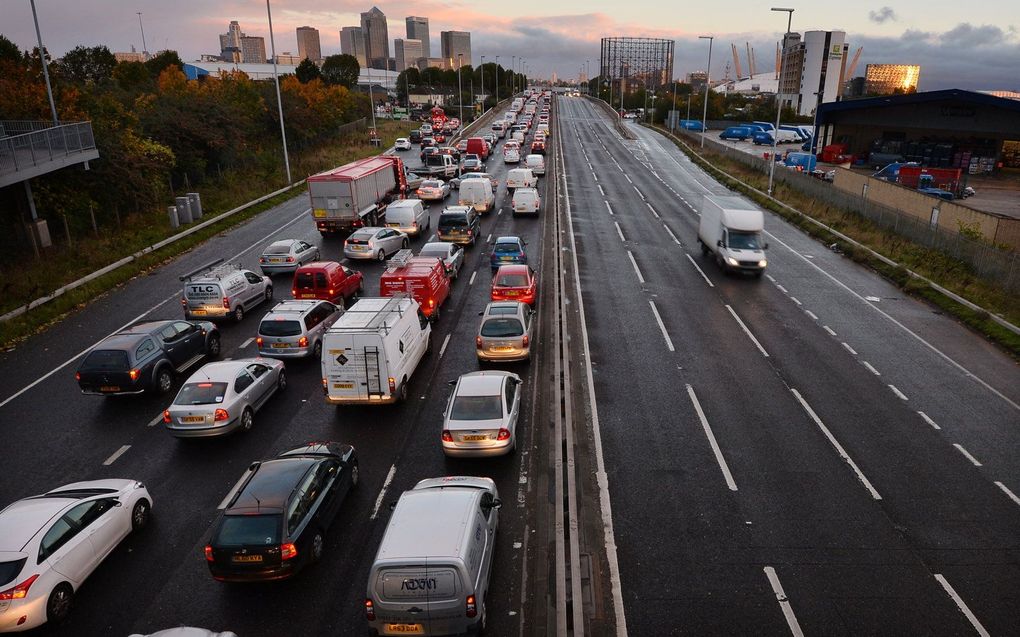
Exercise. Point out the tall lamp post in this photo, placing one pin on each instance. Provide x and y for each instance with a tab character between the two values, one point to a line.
814	124
46	73
460	90
708	82
672	123
513	74
779	102
279	100
497	79
483	84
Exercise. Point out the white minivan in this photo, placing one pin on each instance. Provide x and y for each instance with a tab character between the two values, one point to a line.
536	163
477	193
526	200
431	572
223	290
520	178
408	216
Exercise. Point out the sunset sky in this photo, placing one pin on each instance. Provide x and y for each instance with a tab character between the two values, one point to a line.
962	45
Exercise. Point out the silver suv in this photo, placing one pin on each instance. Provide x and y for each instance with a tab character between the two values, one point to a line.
294	329
505	332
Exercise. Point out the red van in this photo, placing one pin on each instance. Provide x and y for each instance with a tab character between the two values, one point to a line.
478	146
326	280
424	278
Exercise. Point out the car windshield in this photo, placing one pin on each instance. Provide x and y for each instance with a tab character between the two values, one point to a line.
304	281
744	241
434	251
278	248
477	408
247	530
105	359
453	220
280	328
502	327
10	570
507	248
512	281
201	394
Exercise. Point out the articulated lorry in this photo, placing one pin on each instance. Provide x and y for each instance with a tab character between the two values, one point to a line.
731	229
356	194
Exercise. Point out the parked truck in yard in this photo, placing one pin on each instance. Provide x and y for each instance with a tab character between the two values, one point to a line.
355	195
731	229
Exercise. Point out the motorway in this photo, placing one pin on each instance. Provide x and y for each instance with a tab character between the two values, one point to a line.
808	453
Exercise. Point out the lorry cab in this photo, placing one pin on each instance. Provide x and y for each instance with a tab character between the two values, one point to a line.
423	278
326	280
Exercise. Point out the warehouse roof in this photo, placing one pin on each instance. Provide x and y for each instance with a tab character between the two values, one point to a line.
909	99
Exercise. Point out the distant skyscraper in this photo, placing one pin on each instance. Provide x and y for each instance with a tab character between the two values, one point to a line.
377	39
455	43
253	50
308	45
408	53
884	79
352	42
418	29
230	43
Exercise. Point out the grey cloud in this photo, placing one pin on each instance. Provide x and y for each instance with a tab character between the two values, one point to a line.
968	35
883	15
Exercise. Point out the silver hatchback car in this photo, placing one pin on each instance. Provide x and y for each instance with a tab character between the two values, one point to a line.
481	417
505	332
294	328
374	243
287	255
223	397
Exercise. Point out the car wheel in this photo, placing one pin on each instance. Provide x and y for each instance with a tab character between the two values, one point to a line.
212	348
247	419
281	382
403	389
381	256
269	293
428	347
58	606
316	256
164	380
403	244
317	350
140	514
239	314
318	547
355	477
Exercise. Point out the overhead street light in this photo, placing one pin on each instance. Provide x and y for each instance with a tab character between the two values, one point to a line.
708	82
483	85
46	73
279	100
497	79
779	102
460	89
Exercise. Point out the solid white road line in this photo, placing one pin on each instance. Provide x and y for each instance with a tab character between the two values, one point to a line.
811	314
744	327
850	349
835	443
155	421
1005	489
961	605
116	454
871	368
898	393
784	602
829	330
662	326
634	263
701	272
609	208
382	492
471	281
619	232
967	454
247	343
670	233
928	420
711	440
446	341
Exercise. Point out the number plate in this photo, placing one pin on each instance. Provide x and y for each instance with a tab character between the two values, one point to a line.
198	312
193	419
512	293
281	345
271	260
343	385
503	348
319	213
405	629
246	558
474	437
109	388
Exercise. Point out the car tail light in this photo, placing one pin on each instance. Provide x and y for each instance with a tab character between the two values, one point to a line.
258	341
331	291
525	340
470	607
18	592
262	259
470	232
369	610
290	259
220	414
504	434
134	374
77	375
293	292
302	342
393	384
288	551
184	302
209	554
478	342
447	436
432	303
226	302
166	416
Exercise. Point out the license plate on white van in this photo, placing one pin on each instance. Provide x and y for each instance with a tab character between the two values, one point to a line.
343	385
405	629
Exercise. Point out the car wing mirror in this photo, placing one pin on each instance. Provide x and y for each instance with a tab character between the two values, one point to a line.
719	243
451	382
481	313
393	504
497	503
766	246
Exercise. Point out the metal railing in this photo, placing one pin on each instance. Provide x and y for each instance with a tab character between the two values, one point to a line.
41	142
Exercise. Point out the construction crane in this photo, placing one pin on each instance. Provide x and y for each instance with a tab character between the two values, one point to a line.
853	63
736	62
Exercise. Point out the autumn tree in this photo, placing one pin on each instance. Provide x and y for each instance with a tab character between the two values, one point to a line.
87	64
307	71
342	70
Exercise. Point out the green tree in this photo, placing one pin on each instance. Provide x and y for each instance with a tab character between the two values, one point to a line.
158	63
342	70
131	76
9	51
85	65
307	71
432	76
409	77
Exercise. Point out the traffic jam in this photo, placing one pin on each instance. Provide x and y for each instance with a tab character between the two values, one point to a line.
365	306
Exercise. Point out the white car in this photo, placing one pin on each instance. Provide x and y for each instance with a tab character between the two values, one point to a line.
287	255
511	154
451	254
374	243
402	143
481	418
433	190
50	544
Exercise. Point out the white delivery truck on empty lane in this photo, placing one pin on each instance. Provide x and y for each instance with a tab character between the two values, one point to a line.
370	353
731	229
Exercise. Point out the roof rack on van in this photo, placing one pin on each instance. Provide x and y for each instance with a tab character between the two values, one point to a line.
400	258
213	270
393	304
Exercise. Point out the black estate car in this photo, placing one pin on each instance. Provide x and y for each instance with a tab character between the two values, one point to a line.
275	522
146	356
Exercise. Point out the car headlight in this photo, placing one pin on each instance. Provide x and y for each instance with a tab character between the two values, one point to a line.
731	261
762	263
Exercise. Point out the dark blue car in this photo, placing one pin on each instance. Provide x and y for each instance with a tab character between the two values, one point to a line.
762	137
508	250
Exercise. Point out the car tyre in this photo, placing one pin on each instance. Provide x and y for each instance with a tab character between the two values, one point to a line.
164	380
212	347
317	350
403	389
281	381
269	293
381	256
247	419
355	475
140	515
403	244
58	605
318	547
239	314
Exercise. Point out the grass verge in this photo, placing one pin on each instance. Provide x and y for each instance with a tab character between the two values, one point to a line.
945	271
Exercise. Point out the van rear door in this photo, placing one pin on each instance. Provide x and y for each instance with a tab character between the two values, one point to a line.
355	368
426	594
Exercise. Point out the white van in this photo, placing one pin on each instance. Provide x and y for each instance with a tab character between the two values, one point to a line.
432	570
511	153
499	128
407	215
521	178
536	163
219	290
370	353
477	193
526	200
518	136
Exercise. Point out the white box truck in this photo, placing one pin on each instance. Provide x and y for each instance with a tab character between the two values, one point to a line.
731	229
370	353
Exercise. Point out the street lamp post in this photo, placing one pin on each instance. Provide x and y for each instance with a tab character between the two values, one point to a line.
46	73
483	84
371	99
279	100
708	82
497	79
513	74
460	89
814	123
672	123
779	102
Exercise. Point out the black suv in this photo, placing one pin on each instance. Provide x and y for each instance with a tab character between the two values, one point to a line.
146	356
276	521
415	136
459	224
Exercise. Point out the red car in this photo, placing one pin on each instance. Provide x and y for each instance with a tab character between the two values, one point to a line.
326	280
515	283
